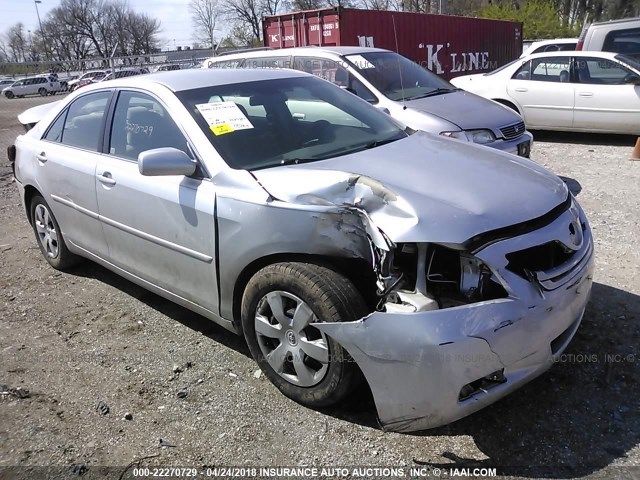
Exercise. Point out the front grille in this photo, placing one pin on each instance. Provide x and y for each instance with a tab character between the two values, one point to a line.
550	265
513	131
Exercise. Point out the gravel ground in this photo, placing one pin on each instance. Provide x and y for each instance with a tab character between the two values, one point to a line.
74	339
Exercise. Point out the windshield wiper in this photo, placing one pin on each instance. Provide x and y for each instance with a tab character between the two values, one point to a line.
437	91
378	143
296	161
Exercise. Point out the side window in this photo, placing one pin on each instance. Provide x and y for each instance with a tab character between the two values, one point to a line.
54	134
267	62
83	125
625	41
334	72
551	69
600	71
226	64
141	123
524	72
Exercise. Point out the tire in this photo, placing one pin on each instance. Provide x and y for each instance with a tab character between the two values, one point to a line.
43	92
317	293
49	236
9	95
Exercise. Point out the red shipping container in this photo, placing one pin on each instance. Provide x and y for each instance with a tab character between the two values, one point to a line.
447	45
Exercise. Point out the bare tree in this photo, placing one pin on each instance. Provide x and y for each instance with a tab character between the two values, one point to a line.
16	44
247	13
205	14
78	29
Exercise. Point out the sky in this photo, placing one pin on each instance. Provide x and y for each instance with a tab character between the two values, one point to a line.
174	15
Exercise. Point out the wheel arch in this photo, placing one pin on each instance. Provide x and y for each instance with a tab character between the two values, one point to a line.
29	192
508	103
357	270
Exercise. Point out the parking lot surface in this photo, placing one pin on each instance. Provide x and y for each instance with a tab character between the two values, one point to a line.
76	339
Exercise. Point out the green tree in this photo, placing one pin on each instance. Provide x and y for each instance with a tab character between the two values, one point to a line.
540	18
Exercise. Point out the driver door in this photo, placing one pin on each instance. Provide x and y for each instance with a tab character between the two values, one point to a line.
159	228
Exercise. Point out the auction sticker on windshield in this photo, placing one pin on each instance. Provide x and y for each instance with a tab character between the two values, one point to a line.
224	117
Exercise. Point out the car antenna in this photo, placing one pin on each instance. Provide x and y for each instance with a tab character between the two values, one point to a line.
395	35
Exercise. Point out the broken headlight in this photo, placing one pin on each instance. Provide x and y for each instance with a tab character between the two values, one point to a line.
427	277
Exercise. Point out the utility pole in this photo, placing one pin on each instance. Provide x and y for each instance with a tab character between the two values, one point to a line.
44	39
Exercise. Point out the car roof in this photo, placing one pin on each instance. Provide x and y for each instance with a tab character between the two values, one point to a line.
574	53
552	41
297	51
617	21
178	80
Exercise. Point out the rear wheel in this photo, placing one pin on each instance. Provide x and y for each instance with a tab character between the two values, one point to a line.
49	236
43	92
279	306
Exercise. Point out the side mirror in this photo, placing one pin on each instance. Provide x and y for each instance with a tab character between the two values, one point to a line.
165	161
633	80
384	110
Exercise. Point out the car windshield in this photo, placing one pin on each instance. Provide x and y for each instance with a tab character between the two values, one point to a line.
284	121
629	61
397	77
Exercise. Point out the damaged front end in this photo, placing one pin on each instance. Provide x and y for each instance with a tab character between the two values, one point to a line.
455	331
475	297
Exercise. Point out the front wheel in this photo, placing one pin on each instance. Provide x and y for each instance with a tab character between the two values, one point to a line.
9	95
43	92
49	236
279	306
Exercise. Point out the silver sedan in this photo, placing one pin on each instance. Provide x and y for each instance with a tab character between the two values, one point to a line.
342	245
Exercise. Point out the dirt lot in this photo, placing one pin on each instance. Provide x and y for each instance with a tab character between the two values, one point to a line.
78	338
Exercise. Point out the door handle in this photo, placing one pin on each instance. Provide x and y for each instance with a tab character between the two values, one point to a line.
42	157
586	94
106	178
521	89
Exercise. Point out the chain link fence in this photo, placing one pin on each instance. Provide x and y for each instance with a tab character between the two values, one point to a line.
69	69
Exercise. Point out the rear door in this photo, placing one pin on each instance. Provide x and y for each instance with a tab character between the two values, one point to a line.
606	100
67	157
159	228
544	93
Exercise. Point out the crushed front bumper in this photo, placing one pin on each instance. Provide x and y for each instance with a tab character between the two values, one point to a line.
418	364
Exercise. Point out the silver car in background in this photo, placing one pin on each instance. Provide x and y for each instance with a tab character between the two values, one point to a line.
405	90
341	245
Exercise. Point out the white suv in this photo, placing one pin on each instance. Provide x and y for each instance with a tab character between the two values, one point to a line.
619	36
40	85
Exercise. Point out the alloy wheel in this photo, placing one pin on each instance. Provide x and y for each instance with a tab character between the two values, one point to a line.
296	351
47	234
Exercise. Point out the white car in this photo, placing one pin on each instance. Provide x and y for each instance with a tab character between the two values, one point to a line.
552	45
40	85
572	91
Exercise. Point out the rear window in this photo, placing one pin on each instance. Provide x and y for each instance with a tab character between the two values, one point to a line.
625	41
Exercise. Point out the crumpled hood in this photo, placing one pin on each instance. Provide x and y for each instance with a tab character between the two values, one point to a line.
467	110
424	188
